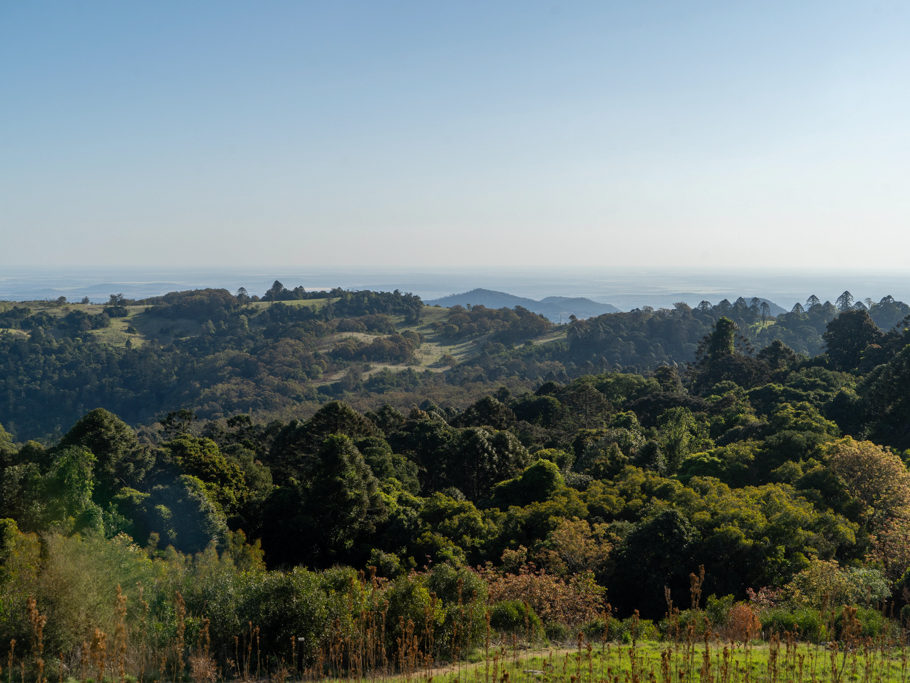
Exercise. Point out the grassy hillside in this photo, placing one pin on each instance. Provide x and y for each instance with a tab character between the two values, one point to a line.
205	352
217	354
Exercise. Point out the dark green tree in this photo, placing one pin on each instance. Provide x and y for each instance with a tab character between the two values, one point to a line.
120	460
295	446
668	378
425	439
844	302
847	336
324	521
537	483
276	292
177	422
655	555
478	458
343	499
183	514
717	360
720	342
487	412
69	484
680	434
22	495
200	457
8	449
887	401
778	356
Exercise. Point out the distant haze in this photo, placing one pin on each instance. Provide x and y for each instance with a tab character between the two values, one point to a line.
706	134
623	287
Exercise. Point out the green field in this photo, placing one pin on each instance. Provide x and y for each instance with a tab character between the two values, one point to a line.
315	304
715	661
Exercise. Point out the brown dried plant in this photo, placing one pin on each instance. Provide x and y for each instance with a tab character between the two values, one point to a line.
38	622
180	642
98	653
571	601
121	635
11	658
203	668
742	624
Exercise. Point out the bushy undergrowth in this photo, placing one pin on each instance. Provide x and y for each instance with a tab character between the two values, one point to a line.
233	610
90	604
516	617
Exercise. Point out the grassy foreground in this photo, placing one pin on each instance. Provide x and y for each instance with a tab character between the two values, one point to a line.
773	661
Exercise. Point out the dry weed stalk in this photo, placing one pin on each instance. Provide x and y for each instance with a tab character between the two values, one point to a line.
11	658
38	622
203	668
98	651
120	635
696	583
179	643
142	631
83	660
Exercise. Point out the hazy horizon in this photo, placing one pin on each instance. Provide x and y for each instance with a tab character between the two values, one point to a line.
623	287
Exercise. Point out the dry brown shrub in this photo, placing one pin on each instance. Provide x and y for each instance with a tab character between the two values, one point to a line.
573	600
202	668
742	624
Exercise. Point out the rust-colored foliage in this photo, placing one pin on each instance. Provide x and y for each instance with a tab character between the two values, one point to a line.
742	624
573	600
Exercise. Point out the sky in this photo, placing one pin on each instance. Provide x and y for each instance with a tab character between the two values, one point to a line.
471	133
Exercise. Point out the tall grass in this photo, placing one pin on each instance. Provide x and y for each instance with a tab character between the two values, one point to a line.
362	645
75	609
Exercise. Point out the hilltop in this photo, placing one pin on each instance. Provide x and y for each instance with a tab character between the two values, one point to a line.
555	308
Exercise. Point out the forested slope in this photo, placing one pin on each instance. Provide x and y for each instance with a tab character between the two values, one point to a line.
218	354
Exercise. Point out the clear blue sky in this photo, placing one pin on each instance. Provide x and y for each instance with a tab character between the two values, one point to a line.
460	133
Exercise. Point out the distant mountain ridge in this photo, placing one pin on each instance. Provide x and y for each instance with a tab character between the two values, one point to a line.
554	308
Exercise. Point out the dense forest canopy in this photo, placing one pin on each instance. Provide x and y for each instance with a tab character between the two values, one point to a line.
605	460
218	353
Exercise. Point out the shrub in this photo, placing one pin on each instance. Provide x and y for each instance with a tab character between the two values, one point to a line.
806	622
411	607
598	629
287	605
713	618
825	582
387	565
622	630
633	628
742	623
463	596
717	609
872	623
571	601
557	633
76	583
515	616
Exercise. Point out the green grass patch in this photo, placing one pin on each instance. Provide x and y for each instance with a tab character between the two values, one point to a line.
665	661
557	335
119	333
11	330
315	304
